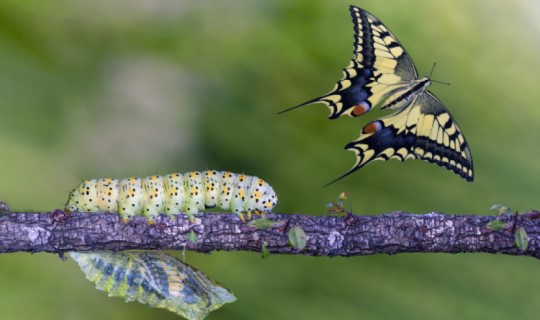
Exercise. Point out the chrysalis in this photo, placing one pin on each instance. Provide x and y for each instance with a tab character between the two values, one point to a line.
154	279
173	193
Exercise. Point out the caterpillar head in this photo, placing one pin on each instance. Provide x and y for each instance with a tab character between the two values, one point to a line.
72	204
83	197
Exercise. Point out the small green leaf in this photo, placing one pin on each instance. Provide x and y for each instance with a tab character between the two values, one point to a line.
501	209
496	225
522	239
297	238
262	223
265	253
192	237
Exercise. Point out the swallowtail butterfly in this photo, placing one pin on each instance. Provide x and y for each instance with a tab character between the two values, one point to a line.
383	75
173	193
154	279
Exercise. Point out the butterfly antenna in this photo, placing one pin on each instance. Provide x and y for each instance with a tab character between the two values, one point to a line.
432	69
436	81
441	82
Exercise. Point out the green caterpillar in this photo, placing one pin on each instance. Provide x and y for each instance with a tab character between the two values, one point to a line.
172	194
154	279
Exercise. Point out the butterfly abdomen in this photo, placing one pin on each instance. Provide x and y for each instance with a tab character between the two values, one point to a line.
172	194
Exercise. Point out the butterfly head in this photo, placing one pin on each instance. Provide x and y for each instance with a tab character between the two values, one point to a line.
425	82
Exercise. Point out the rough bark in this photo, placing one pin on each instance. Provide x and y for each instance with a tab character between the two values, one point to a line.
345	236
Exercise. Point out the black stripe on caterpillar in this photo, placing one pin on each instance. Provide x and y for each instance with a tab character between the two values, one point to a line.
173	193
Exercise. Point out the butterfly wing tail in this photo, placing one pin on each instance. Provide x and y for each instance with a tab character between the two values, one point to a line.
316	100
342	176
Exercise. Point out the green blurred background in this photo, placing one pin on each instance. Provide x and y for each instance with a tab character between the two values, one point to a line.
120	88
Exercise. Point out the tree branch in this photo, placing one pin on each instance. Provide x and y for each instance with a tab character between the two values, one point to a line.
393	233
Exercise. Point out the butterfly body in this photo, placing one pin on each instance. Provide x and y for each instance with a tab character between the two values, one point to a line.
404	94
382	74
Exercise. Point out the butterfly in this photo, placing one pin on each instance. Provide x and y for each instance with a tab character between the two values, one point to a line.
382	74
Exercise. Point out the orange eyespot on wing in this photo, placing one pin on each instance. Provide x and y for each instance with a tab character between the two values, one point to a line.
360	109
372	127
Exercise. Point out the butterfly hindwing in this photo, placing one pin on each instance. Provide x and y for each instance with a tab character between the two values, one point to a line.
440	140
424	130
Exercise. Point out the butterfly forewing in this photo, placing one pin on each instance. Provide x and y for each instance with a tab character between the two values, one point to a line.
379	65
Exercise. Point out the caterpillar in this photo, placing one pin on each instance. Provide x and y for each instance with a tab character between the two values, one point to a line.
154	279
173	193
